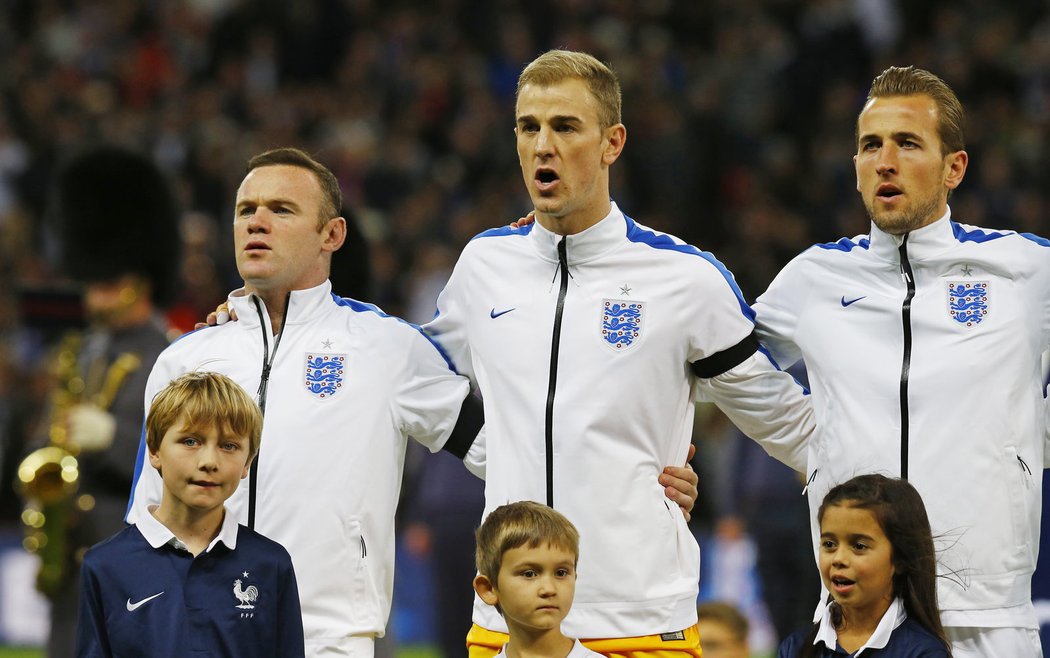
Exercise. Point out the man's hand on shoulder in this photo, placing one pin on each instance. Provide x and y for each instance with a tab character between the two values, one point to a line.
221	315
524	221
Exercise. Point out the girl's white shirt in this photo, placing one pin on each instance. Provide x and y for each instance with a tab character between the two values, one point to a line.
891	619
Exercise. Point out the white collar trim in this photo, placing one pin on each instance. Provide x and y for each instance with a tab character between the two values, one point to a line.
891	619
158	534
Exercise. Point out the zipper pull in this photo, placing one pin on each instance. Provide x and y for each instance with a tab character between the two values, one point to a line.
809	481
1024	465
903	251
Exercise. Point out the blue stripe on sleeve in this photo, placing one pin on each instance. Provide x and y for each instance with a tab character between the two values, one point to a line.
982	235
845	244
140	460
362	307
504	231
662	241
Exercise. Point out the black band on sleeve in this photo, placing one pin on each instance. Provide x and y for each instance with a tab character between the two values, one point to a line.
471	418
727	359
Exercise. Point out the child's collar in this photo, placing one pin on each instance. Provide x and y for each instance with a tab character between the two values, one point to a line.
891	619
157	534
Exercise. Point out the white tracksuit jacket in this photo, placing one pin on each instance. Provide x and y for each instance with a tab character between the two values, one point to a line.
941	377
348	385
588	428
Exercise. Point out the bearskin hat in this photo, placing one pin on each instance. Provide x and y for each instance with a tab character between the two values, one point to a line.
116	214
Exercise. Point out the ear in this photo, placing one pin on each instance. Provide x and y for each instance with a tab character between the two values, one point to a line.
154	459
247	465
486	590
955	169
334	233
615	139
857	172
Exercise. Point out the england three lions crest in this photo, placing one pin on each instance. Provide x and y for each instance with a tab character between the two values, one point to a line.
324	374
621	323
968	302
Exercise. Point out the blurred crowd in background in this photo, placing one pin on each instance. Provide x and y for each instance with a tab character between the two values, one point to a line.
740	118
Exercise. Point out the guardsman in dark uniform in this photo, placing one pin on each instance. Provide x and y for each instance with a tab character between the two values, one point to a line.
118	228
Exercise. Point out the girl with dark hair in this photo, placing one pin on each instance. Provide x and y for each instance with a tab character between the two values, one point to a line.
877	561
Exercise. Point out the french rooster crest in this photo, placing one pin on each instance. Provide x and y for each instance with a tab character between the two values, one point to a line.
246	596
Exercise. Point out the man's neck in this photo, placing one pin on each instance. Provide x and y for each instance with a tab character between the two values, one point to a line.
275	301
573	223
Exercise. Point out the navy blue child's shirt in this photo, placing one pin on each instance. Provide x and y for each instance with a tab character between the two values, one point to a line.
143	594
896	636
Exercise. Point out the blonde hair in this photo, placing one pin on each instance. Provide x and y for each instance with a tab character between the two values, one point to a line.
555	66
912	81
520	524
204	400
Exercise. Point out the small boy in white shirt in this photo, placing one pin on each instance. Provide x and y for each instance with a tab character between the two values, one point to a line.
526	559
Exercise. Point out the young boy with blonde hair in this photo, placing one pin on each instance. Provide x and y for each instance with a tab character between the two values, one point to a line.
185	578
526	559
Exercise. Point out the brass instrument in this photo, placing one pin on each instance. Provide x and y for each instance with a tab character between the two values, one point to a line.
49	477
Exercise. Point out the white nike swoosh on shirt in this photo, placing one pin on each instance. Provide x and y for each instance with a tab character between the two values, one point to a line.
135	606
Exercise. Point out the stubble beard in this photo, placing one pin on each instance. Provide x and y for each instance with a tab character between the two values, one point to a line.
899	222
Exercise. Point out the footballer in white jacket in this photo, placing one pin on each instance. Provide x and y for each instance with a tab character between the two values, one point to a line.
586	350
923	344
923	354
347	386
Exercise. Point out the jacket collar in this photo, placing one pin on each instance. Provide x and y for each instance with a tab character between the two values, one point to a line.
157	534
303	305
891	619
585	245
928	241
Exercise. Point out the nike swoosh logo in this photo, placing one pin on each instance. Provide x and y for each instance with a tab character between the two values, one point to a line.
852	301
132	607
493	314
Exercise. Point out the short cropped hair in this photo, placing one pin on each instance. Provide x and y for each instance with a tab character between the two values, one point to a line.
520	524
727	615
555	66
204	400
911	81
332	201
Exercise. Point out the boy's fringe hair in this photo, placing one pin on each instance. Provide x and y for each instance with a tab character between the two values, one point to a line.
204	400
520	524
